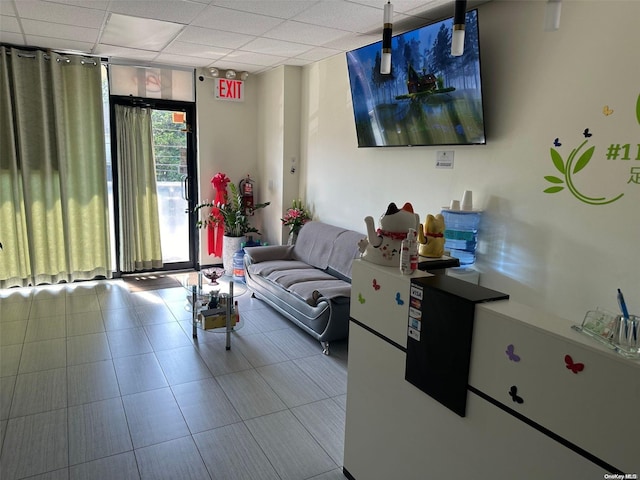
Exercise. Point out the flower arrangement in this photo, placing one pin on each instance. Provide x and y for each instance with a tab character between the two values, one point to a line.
295	217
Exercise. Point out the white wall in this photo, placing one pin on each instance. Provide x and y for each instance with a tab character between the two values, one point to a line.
227	142
546	250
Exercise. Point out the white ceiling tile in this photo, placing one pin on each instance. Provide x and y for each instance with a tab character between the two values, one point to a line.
140	33
275	47
124	52
303	32
169	59
319	53
234	21
342	15
254	58
218	38
195	50
352	41
58	44
58	13
12	38
68	32
6	8
9	24
167	10
273	8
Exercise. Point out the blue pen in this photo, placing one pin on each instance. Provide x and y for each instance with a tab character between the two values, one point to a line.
625	313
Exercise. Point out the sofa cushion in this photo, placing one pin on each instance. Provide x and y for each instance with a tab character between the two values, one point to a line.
329	289
315	243
266	268
345	249
286	278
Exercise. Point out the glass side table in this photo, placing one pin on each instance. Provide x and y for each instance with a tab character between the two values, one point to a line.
222	316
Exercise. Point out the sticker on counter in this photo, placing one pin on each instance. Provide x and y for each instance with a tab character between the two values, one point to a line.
413	333
415	313
416	292
399	299
415	303
415	324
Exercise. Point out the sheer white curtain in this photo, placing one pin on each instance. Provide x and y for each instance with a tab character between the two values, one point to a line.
139	219
53	189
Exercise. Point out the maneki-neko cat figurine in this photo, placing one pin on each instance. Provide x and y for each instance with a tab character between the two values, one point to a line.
431	237
383	246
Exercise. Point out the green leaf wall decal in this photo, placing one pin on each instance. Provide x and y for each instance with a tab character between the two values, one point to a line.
553	179
584	159
557	160
553	189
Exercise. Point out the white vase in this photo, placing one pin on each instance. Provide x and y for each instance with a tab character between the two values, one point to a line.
230	245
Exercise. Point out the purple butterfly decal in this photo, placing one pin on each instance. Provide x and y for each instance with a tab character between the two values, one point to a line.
512	356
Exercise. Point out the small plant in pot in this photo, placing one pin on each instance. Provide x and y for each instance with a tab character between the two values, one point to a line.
233	215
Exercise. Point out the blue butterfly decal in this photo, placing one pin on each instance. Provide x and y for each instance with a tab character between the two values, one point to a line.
586	133
514	395
512	356
557	143
398	299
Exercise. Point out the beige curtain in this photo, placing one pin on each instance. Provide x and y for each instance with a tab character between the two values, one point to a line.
53	189
139	219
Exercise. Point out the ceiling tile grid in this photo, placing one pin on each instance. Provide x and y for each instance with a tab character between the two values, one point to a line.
248	35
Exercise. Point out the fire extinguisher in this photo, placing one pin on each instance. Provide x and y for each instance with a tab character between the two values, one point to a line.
246	190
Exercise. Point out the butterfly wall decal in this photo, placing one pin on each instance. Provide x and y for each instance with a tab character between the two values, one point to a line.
513	391
398	299
376	285
575	367
586	133
557	143
361	298
606	111
510	353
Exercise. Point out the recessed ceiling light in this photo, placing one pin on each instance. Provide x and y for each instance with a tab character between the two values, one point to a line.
141	33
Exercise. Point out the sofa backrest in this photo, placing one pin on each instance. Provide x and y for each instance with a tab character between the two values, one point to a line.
327	246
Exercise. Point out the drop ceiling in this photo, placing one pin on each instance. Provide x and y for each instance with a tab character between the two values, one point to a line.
248	35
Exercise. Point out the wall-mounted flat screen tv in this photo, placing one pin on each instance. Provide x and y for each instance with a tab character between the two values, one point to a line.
429	98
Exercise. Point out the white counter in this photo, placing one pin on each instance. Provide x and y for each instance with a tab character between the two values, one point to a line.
567	426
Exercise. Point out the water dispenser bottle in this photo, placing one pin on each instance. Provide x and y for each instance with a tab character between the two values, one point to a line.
461	235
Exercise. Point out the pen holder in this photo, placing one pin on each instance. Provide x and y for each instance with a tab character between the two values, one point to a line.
627	334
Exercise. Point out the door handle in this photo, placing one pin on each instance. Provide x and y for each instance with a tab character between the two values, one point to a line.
185	187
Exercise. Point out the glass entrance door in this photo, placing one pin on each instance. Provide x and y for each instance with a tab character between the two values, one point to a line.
170	145
175	170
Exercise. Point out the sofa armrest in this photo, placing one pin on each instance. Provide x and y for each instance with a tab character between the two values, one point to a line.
269	252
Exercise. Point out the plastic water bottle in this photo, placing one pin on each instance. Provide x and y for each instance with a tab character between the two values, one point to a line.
461	235
238	265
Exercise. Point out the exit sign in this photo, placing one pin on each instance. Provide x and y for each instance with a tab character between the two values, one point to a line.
232	90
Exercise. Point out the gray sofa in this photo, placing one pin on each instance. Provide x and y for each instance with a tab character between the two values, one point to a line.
309	282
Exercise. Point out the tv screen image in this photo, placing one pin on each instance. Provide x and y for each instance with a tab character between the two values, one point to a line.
429	98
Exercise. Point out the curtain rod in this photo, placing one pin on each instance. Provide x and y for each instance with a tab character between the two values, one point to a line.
47	56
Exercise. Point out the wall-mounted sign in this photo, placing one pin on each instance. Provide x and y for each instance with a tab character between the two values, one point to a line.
232	90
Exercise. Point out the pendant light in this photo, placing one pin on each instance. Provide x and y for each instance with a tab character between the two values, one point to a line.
385	64
459	18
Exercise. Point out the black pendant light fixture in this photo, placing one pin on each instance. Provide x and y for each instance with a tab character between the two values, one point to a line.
459	18
385	64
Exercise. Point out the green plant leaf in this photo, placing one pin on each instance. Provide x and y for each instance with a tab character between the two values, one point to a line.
553	189
552	179
584	159
557	160
638	109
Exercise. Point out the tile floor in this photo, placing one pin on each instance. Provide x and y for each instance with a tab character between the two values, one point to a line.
97	382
